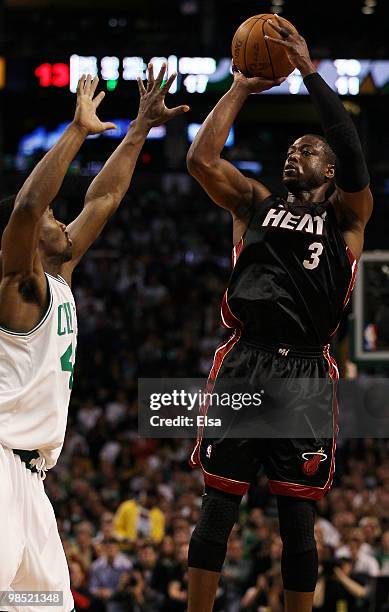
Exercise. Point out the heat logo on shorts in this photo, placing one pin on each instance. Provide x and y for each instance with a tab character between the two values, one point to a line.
312	461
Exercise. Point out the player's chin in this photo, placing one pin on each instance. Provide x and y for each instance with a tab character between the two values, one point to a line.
292	183
67	253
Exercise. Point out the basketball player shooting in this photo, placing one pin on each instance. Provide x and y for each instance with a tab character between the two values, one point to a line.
38	332
294	267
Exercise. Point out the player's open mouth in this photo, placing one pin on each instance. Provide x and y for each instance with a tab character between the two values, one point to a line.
289	169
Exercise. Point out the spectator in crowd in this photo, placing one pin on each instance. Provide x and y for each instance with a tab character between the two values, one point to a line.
106	576
358	551
383	554
83	599
143	577
235	574
83	544
178	585
338	588
142	518
371	529
106	531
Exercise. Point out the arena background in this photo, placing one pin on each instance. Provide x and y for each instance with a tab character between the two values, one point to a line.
148	292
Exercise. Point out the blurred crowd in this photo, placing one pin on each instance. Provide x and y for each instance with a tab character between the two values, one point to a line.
148	299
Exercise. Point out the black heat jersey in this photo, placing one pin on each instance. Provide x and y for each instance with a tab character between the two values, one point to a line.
293	274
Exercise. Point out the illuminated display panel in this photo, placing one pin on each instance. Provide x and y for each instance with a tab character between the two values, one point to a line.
207	74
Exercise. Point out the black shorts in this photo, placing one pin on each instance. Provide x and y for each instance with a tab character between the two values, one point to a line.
297	467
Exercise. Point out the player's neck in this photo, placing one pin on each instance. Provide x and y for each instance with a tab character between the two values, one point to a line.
52	266
308	197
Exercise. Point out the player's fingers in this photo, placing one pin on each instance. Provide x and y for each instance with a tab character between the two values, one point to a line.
161	74
93	86
281	29
109	126
141	87
99	98
166	86
266	82
150	77
282	25
87	84
274	83
274	25
80	84
278	41
178	110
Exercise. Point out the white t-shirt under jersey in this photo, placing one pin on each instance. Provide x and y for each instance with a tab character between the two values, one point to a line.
36	377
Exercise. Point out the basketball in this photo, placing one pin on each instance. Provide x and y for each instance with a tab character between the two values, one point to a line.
253	55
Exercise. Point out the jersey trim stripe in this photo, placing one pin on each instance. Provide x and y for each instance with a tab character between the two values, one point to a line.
44	318
354	269
238	487
58	278
293	489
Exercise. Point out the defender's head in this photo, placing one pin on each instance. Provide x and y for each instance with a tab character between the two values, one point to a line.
54	242
310	163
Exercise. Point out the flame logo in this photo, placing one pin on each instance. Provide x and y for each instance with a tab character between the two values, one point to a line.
312	461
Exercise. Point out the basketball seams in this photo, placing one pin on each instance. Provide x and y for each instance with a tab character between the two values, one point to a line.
268	50
247	38
253	51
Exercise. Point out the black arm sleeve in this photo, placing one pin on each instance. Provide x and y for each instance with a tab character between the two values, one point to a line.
351	173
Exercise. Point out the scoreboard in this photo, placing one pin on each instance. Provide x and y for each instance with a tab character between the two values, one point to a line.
206	74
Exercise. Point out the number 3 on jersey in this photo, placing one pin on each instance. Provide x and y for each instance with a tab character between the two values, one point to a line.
313	262
67	364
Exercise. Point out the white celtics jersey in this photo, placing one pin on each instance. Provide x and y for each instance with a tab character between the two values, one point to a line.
36	377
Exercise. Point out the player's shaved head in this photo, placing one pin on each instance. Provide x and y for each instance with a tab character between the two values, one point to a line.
330	155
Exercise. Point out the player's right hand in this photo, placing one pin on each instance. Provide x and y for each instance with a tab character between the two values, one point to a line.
152	108
85	116
253	84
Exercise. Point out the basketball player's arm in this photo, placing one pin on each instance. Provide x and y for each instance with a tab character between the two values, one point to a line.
20	238
354	200
225	185
111	184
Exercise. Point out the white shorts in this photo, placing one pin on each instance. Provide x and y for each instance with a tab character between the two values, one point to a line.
31	552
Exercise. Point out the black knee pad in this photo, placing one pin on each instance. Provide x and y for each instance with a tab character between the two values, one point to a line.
299	556
299	572
208	544
297	524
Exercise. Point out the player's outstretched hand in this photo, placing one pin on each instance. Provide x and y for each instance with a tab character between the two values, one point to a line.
253	84
294	44
152	108
85	116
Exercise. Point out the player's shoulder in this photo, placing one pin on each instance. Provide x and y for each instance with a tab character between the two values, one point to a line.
345	217
260	192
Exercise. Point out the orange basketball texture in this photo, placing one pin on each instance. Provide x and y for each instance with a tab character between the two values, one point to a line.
256	56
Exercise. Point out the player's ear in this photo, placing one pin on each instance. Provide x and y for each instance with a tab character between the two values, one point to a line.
330	171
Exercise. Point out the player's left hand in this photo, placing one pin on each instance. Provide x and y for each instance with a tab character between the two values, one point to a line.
85	116
295	45
152	108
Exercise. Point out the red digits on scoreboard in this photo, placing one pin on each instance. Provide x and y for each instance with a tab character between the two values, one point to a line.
60	75
56	75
